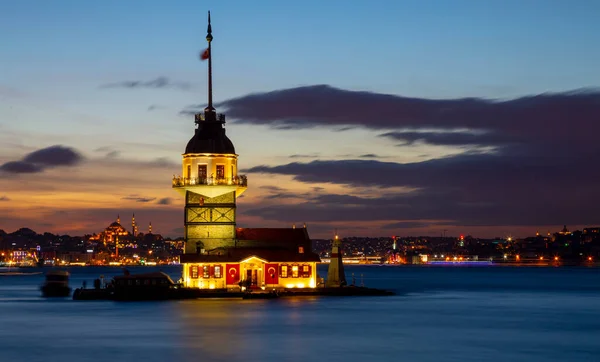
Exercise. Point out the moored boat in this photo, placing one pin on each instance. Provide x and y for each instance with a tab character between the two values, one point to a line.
56	284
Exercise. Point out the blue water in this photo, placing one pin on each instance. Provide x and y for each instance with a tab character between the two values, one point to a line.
440	314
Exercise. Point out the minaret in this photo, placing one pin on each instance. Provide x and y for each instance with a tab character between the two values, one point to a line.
118	218
335	275
150	228
209	182
133	226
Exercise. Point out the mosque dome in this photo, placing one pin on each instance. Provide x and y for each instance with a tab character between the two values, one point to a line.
115	225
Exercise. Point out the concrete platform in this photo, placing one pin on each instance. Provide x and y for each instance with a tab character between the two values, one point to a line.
189	293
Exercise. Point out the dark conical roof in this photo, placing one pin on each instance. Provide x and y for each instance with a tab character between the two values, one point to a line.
210	137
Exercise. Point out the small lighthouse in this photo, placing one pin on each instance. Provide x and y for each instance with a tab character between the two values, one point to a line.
335	275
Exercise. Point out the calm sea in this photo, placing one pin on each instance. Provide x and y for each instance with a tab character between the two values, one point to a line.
490	313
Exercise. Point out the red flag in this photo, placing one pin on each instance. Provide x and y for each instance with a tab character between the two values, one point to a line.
204	55
233	273
271	274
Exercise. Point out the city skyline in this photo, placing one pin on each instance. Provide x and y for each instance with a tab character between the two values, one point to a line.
371	123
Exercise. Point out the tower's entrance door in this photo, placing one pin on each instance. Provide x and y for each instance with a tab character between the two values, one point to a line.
252	276
202	173
252	272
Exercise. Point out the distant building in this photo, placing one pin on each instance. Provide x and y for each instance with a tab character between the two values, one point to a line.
112	233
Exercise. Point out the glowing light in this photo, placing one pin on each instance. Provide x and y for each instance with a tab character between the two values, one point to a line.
589	258
541	258
289	286
300	285
311	284
556	258
518	257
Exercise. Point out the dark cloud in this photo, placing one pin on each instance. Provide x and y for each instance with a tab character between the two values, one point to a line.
450	138
469	189
138	198
4	198
113	154
109	152
165	201
370	155
311	155
54	156
37	161
160	82
155	107
528	160
410	225
272	188
21	167
327	106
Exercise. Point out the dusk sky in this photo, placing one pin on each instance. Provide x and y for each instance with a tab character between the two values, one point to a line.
376	118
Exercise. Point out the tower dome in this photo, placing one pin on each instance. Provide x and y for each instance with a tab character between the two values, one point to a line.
210	136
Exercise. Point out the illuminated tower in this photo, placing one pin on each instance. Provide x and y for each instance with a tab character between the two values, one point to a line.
150	227
210	182
134	228
335	274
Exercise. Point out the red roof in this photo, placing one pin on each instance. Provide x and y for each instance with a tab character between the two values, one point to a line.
236	255
273	234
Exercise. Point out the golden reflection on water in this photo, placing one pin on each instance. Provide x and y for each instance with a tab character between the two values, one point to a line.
225	330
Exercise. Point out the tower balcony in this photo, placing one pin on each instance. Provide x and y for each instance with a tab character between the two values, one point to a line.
211	186
240	180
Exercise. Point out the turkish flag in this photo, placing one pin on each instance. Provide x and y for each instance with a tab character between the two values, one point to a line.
271	274
204	55
233	273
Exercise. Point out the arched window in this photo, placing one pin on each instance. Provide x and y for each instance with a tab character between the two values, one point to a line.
283	271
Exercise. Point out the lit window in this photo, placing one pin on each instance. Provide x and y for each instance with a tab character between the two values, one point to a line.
205	272
294	271
217	271
194	271
301	249
284	271
220	172
305	271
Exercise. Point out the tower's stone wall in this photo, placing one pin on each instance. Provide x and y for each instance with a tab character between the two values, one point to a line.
209	221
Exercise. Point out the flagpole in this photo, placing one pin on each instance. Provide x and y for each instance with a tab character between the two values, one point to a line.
209	39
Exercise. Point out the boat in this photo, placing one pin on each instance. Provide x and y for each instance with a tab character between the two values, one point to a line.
147	286
56	284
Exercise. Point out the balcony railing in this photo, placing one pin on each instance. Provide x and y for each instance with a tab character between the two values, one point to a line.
240	180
